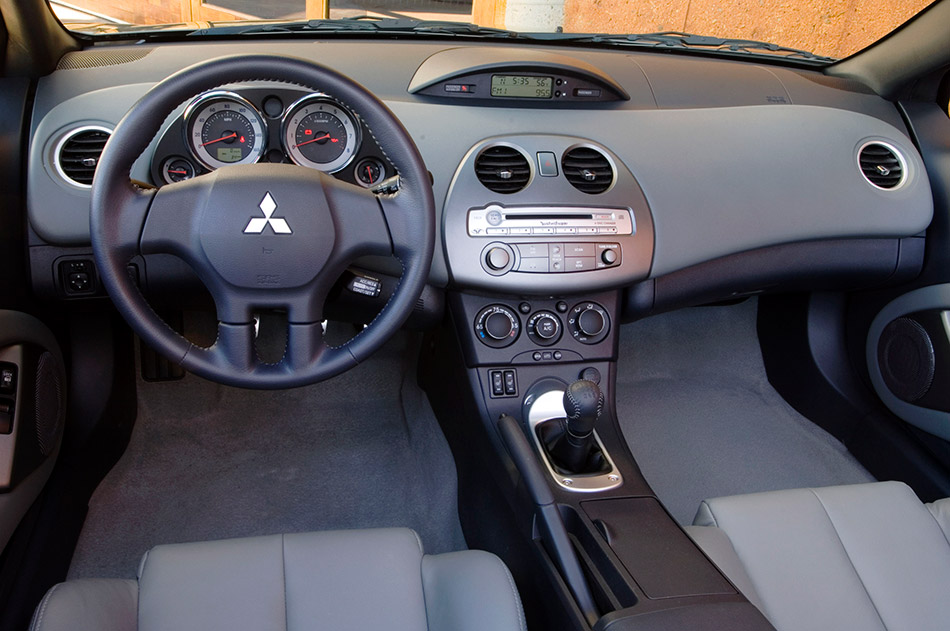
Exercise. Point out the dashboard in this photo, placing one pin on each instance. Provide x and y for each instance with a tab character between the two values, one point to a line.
555	170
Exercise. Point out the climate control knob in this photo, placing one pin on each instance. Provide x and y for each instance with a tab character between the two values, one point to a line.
588	323
497	326
544	328
498	258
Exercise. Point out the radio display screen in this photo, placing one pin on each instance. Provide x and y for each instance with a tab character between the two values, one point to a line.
522	86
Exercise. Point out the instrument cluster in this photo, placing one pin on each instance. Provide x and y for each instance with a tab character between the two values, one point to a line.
311	129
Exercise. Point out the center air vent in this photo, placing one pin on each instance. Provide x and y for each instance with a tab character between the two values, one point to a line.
502	169
78	154
588	170
882	165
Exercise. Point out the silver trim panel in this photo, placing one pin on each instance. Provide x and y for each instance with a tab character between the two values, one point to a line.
550	406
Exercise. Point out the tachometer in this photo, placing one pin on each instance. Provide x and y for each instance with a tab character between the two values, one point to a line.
223	128
320	134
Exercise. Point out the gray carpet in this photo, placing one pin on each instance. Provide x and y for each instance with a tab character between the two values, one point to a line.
700	417
208	462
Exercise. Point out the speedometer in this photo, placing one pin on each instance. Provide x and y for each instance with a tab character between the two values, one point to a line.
223	128
320	134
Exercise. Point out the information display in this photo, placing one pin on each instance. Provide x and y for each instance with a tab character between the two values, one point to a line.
229	154
522	86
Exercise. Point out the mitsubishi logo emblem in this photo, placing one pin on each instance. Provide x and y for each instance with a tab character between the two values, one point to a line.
278	224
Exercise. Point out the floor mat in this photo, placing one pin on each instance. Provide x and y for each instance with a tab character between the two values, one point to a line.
702	420
208	462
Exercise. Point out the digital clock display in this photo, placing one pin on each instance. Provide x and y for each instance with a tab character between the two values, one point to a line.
521	86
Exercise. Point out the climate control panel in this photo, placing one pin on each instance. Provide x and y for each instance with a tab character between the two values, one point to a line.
507	330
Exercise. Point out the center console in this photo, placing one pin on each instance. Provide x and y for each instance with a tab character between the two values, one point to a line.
523	380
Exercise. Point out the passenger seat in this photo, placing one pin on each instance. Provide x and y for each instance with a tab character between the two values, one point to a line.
865	556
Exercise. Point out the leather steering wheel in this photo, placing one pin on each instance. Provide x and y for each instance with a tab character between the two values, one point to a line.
207	221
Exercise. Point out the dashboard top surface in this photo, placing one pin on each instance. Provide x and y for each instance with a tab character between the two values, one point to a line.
727	156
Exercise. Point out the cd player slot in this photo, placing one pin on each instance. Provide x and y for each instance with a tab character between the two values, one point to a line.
495	220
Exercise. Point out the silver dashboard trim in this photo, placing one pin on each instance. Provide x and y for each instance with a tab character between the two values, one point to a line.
550	406
58	147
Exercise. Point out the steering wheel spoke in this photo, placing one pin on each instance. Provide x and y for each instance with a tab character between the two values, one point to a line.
361	226
171	226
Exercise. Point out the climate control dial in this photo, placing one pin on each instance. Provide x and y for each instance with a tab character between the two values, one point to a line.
544	328
497	326
588	323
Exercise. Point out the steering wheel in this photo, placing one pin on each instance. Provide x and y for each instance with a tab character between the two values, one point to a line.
261	236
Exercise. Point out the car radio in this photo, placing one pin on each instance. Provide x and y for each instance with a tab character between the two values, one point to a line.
545	221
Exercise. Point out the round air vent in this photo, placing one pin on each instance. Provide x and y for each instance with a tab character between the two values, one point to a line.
77	154
502	169
882	165
588	170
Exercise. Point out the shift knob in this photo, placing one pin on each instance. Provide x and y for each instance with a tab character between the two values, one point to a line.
583	404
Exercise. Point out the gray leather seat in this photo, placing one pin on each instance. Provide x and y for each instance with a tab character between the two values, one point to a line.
866	556
360	579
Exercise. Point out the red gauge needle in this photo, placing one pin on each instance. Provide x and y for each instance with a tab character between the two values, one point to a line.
178	172
324	136
369	173
211	142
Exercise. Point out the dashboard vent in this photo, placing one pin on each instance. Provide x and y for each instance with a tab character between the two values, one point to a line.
882	165
502	169
588	170
78	154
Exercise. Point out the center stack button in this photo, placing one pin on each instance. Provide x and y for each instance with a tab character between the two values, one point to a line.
544	328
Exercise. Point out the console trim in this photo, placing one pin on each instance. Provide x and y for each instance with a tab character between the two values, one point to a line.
550	406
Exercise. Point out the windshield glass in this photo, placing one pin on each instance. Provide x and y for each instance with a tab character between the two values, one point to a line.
830	28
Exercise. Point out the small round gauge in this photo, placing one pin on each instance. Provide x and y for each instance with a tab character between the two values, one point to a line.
177	170
222	128
369	172
320	134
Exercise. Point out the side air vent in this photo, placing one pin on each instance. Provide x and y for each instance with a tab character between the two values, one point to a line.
882	165
502	169
588	170
78	154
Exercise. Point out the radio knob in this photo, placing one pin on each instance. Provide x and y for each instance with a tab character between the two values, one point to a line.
498	258
591	322
609	257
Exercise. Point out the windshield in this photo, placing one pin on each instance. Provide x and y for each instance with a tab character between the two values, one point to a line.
829	28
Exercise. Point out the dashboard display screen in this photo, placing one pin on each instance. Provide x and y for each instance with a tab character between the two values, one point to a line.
521	86
229	154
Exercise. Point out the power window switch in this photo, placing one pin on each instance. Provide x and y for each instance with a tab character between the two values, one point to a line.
6	417
497	383
8	379
511	386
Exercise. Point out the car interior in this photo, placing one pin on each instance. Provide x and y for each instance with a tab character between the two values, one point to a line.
386	323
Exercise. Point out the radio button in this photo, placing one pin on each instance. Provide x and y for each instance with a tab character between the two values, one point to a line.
579	249
494	217
529	250
496	231
543	230
519	230
579	263
569	230
609	257
534	265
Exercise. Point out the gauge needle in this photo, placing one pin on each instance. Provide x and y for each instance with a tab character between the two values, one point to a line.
211	142
323	137
178	172
369	172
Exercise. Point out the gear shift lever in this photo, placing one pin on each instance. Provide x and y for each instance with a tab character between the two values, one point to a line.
583	405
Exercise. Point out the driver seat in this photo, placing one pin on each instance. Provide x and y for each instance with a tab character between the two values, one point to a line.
355	579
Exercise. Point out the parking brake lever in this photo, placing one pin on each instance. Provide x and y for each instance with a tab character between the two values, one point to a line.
550	525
